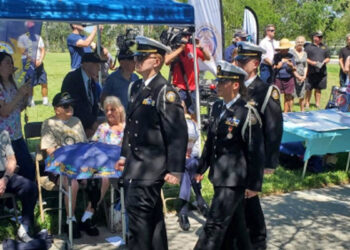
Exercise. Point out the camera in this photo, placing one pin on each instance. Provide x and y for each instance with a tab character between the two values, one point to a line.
124	42
173	36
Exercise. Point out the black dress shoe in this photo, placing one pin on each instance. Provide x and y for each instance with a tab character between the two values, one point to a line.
89	228
184	222
203	209
76	231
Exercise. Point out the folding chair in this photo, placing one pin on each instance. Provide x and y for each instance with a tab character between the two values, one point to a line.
13	198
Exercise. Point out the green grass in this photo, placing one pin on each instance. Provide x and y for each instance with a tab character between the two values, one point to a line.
57	66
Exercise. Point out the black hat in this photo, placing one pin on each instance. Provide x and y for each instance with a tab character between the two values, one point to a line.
91	57
147	45
61	99
246	50
229	71
125	54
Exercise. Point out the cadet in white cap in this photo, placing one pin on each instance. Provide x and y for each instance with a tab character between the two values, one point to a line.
234	138
154	146
266	99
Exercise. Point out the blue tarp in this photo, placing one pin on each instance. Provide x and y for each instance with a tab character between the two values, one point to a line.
99	11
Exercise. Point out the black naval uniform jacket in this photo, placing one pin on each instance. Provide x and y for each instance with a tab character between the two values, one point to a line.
155	135
234	151
267	101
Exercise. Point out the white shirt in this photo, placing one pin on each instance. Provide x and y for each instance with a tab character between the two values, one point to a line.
229	104
150	79
269	45
249	81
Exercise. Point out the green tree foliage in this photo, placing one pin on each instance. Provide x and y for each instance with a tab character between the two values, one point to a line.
292	17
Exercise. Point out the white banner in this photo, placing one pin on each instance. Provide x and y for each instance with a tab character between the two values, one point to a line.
208	25
250	25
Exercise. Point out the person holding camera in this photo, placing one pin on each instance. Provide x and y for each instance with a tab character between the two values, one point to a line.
284	67
181	61
78	44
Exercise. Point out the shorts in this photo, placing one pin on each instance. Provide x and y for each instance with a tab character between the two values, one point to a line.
316	81
40	76
286	85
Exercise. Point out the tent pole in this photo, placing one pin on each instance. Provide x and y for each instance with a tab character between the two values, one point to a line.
99	53
198	107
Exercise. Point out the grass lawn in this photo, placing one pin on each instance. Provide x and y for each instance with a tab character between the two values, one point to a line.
57	65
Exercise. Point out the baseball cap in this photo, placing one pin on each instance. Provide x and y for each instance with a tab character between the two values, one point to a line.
61	99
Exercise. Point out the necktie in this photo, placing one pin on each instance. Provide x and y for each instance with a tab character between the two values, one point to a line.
90	93
223	110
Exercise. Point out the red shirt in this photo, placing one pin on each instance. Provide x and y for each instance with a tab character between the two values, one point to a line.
186	57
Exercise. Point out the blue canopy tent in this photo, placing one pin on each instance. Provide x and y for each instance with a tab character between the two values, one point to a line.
100	12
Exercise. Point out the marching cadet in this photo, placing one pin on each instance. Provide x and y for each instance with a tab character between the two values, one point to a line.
266	99
234	151
154	146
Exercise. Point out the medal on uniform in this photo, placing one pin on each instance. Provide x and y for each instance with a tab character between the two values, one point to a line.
229	135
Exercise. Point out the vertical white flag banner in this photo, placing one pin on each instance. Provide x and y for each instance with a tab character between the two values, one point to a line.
250	25
209	28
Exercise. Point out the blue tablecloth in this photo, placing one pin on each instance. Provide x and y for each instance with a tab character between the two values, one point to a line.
323	131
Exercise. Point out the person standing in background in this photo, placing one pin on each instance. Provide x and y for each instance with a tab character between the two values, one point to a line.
239	36
78	44
343	54
318	56
269	44
300	73
26	42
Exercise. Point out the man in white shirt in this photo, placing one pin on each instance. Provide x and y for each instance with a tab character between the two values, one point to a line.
269	44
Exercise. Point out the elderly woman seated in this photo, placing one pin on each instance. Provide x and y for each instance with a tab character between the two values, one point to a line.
110	132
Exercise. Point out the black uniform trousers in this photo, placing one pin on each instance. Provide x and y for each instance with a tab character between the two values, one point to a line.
225	222
146	219
255	222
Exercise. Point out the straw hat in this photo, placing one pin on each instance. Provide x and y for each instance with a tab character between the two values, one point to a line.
284	44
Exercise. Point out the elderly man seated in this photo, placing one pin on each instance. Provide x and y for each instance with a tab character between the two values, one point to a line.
61	130
24	189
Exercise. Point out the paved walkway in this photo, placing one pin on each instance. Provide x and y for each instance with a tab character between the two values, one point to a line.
314	219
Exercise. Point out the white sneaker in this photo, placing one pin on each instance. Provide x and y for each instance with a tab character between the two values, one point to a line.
23	235
45	101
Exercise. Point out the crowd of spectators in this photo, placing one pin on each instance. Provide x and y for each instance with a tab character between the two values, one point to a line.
292	70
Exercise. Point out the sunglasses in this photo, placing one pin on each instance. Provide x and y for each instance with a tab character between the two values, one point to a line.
66	106
141	58
271	30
